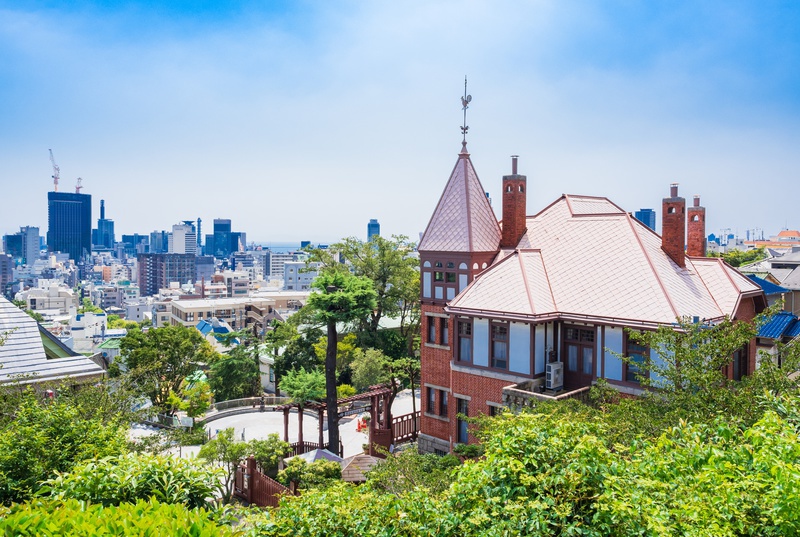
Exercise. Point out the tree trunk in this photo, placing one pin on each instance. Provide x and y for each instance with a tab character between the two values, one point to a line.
330	388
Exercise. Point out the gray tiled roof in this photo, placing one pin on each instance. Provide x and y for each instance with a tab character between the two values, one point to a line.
22	357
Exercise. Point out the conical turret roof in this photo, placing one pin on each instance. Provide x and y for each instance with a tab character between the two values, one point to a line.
463	220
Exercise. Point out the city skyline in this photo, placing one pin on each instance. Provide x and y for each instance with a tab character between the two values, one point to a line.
305	120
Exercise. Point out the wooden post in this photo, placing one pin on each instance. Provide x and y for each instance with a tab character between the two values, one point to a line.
251	474
319	421
300	424
286	424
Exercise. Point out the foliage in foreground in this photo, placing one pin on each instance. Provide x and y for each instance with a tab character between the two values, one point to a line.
546	475
77	519
46	437
115	480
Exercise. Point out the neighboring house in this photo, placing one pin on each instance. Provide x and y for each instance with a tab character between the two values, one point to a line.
774	293
783	270
213	331
783	327
31	355
504	306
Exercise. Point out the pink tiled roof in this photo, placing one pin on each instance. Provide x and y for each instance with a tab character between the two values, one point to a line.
463	220
584	257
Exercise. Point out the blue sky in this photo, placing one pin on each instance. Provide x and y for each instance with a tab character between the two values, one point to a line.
303	120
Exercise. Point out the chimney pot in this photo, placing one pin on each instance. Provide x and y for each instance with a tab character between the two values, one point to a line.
673	190
514	164
697	201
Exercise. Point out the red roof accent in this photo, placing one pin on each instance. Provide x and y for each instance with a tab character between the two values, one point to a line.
463	220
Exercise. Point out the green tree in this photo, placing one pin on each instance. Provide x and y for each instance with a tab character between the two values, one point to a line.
346	348
685	373
737	258
387	263
88	307
225	452
235	375
269	453
114	321
194	398
158	360
370	367
338	297
303	387
290	348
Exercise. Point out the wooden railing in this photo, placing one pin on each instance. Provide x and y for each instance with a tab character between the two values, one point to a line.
256	488
405	428
298	448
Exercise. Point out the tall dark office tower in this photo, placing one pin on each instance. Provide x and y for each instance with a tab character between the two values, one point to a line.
222	237
69	219
103	236
646	217
199	235
373	228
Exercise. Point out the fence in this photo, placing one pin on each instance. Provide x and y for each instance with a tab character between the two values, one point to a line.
256	488
405	428
249	401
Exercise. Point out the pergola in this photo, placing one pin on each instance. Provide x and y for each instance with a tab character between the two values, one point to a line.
379	398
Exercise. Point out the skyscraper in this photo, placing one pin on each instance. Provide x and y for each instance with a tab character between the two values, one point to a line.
69	219
183	239
222	237
157	271
646	217
373	228
103	236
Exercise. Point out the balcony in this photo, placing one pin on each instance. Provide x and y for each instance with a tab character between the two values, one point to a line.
526	394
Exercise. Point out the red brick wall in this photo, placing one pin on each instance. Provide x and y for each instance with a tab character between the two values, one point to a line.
514	208
435	369
673	227
696	240
480	390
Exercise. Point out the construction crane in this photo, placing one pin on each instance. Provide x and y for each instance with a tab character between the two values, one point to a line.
78	186
56	171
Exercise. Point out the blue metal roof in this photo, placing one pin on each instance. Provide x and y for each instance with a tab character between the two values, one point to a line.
768	287
778	325
794	330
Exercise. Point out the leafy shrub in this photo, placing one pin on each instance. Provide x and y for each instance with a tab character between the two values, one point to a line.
408	470
76	519
268	453
129	478
50	437
307	475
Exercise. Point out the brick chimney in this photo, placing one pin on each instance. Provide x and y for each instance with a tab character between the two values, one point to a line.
696	245
514	206
673	226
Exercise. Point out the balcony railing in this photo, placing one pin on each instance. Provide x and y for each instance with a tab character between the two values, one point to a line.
526	395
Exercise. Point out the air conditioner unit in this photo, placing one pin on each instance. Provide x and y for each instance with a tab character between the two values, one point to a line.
554	376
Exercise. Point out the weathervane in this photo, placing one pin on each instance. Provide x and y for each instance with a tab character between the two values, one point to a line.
465	100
